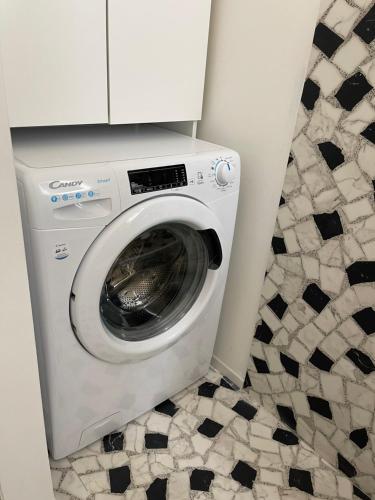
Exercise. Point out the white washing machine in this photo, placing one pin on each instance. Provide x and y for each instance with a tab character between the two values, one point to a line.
128	234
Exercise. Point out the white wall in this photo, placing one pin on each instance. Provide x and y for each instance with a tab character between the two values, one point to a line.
257	59
24	468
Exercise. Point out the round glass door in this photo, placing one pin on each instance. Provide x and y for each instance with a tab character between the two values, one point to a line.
154	281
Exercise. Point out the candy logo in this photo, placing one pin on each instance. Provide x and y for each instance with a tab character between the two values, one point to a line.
64	184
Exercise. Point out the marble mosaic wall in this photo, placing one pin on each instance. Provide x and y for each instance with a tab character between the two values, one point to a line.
313	357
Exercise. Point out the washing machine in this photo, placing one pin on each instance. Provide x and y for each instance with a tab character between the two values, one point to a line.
128	233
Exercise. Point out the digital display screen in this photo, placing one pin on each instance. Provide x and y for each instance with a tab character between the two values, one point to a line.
157	179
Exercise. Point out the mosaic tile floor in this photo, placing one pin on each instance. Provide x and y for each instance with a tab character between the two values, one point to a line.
208	442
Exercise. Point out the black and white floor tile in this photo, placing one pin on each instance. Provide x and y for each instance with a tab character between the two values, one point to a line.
208	442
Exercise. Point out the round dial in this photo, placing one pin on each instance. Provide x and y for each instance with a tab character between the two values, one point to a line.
224	172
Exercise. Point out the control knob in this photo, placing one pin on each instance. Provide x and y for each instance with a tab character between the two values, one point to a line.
224	172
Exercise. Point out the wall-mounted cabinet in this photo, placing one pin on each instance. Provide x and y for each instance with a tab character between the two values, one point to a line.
55	61
55	55
157	59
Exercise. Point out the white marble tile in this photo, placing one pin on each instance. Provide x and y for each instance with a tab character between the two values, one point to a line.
85	464
180	447
327	201
325	482
342	17
327	76
140	470
359	119
360	396
56	476
351	332
263	444
96	482
350	55
308	236
317	179
351	182
179	486
265	492
331	279
302	120
323	121
134	494
113	460
285	218
158	423
219	464
161	463
299	352
271	477
358	209
300	205
292	180
310	336
366	159
73	485
334	346
326	321
304	152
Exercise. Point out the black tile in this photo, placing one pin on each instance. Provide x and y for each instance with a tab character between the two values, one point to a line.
352	91
326	40
346	467
301	479
156	440
157	490
290	159
358	493
310	95
366	320
282	201
200	480
245	409
261	365
321	406
119	479
209	428
366	27
207	389
332	154
361	272
361	361
113	442
285	437
263	333
315	297
244	474
321	361
369	133
329	225
359	437
224	382
291	366
287	416
278	245
278	306
247	382
167	408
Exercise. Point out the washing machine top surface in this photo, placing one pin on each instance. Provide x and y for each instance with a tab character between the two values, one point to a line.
44	147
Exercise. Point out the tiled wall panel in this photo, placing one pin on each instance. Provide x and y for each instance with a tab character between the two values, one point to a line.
313	357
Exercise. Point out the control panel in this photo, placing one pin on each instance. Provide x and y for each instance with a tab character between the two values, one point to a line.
157	179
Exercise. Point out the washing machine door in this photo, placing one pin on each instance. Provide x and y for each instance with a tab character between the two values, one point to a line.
146	279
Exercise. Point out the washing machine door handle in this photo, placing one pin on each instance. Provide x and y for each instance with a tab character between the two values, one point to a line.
147	279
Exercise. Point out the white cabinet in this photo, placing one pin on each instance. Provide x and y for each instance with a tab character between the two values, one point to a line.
55	55
157	59
55	61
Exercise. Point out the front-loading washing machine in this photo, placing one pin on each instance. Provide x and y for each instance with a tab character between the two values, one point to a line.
128	233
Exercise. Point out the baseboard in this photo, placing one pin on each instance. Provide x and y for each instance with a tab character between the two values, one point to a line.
228	372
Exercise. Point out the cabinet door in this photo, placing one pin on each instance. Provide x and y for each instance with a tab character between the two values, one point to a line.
55	62
157	59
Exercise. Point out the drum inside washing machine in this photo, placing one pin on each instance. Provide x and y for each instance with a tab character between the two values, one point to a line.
154	281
